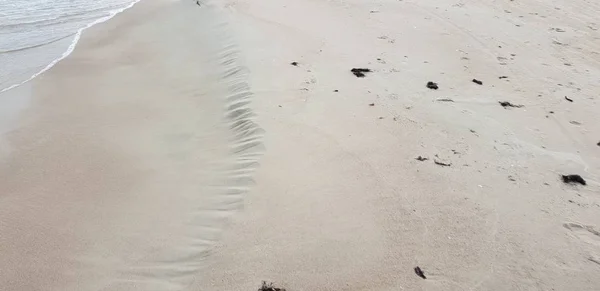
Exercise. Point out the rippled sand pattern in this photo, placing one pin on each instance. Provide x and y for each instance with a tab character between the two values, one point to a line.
130	157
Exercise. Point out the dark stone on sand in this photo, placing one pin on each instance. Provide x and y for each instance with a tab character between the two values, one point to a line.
360	72
568	179
508	104
371	104
419	272
421	159
269	287
598	144
294	64
442	164
503	77
432	85
336	91
477	82
568	99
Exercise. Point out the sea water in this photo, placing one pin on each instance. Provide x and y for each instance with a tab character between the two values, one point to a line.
35	34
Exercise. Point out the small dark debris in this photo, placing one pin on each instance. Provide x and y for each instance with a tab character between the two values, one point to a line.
598	144
568	99
568	179
575	122
269	287
444	100
336	91
360	72
419	272
551	112
508	104
421	159
198	3
477	82
511	178
442	164
371	104
294	64
503	77
432	85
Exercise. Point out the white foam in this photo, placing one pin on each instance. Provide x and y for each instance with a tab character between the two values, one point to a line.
71	47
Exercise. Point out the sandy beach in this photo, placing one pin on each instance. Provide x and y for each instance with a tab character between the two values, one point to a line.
362	180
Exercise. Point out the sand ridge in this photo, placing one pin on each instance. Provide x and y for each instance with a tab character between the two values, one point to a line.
372	183
341	201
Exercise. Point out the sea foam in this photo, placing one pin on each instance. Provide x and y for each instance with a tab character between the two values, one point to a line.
37	34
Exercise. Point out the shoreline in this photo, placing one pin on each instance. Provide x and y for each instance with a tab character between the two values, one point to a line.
378	181
76	36
134	114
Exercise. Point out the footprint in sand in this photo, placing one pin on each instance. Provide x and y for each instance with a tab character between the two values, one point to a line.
586	233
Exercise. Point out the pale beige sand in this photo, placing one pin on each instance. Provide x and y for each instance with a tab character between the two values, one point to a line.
119	173
340	202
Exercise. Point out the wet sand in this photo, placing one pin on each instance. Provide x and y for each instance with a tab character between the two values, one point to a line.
133	151
341	201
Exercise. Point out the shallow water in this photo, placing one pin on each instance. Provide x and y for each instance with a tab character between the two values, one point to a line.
34	34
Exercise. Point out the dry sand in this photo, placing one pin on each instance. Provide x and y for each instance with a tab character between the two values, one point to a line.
340	201
342	204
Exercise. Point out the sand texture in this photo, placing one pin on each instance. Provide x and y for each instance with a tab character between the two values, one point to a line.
363	179
341	202
131	154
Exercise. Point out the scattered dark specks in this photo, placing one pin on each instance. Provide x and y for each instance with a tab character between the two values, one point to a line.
568	99
420	272
506	104
360	72
568	179
477	82
432	85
